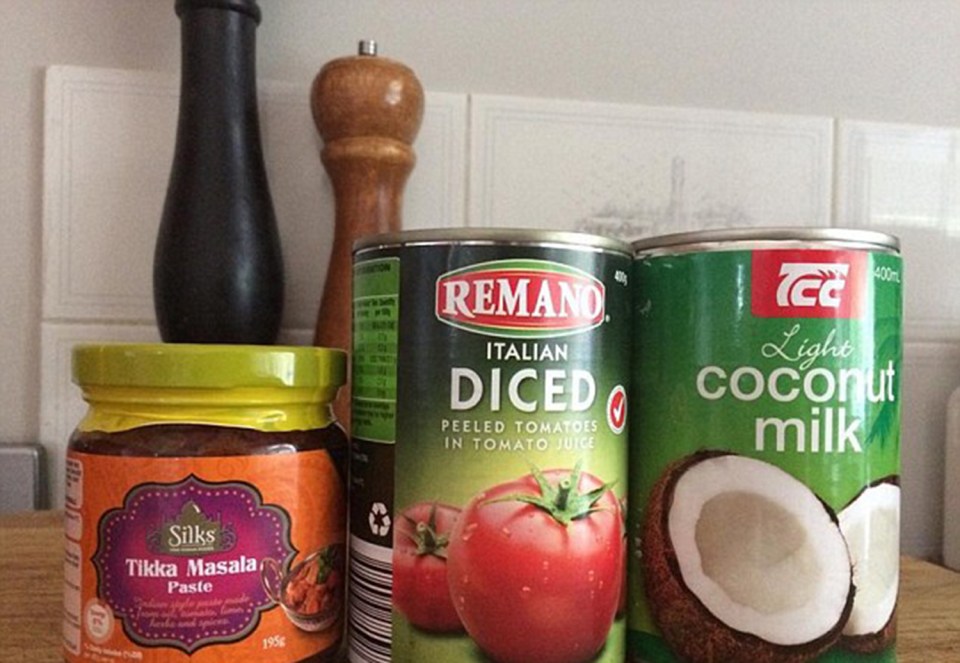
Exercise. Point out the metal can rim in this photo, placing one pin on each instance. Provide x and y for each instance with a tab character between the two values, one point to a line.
492	236
709	239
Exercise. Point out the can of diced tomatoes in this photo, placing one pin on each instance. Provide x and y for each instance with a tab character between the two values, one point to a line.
489	448
764	494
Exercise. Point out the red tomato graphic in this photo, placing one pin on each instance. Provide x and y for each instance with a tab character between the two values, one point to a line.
622	601
536	567
420	589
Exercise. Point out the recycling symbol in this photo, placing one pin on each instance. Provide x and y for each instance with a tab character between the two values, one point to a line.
379	519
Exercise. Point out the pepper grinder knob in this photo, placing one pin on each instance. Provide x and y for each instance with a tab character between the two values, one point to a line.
368	111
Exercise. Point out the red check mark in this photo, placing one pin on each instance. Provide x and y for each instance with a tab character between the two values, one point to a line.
617	409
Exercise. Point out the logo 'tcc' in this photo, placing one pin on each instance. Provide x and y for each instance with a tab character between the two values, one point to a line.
809	284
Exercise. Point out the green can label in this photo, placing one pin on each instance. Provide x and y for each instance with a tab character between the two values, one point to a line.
489	453
765	458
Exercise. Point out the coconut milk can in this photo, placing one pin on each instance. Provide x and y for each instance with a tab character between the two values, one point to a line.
490	376
764	464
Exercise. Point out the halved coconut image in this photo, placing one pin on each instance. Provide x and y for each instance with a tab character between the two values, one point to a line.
743	562
871	525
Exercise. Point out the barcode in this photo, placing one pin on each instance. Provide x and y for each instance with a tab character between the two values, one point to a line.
371	582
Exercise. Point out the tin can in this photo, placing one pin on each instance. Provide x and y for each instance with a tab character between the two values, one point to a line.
206	505
765	464
489	446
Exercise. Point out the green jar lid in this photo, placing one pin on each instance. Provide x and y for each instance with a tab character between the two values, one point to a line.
196	366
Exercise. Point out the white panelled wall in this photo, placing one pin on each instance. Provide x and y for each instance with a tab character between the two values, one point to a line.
617	169
598	115
108	141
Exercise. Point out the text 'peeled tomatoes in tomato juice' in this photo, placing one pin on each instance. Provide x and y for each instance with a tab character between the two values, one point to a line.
489	447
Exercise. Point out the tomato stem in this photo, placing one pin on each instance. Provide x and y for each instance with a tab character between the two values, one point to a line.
564	502
425	536
563	494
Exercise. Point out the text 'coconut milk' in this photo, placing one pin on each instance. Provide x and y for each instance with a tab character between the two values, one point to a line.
765	455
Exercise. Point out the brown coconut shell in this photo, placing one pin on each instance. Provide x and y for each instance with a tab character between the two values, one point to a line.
871	643
688	627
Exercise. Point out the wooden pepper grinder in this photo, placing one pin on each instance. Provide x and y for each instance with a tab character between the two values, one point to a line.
368	111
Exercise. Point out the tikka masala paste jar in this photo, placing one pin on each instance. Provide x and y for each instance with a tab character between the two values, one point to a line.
205	505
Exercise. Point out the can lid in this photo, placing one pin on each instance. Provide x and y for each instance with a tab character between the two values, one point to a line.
202	366
492	236
703	238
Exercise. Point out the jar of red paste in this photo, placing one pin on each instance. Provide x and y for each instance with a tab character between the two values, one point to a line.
205	505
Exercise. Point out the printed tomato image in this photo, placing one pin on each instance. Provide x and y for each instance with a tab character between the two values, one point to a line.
622	601
420	589
535	567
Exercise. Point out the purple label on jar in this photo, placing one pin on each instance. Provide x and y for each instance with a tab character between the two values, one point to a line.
180	564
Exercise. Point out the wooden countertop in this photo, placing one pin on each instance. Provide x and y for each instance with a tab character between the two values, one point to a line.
31	568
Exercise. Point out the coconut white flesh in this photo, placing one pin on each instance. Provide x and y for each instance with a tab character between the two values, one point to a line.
871	525
759	550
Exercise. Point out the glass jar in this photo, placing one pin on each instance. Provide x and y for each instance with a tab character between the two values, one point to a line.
206	504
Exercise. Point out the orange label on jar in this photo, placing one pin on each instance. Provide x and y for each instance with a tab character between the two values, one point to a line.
229	558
